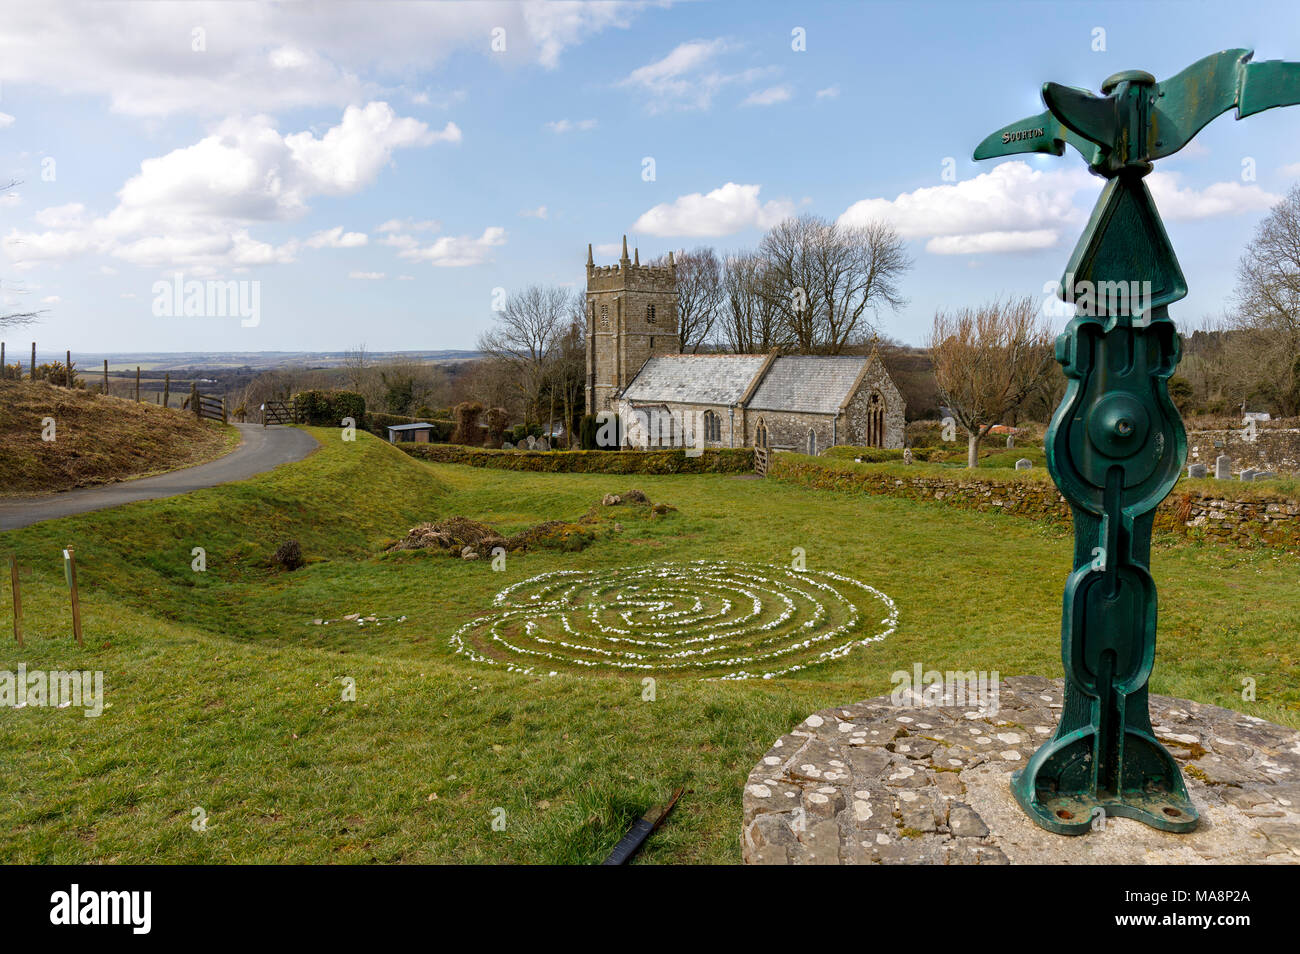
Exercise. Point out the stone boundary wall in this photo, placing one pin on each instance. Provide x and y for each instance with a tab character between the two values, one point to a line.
1195	514
1276	446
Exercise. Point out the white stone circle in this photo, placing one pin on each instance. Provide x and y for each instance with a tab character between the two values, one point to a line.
718	620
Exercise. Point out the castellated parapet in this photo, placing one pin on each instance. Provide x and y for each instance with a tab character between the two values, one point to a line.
631	317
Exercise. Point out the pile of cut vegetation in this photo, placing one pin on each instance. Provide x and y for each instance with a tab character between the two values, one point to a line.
470	539
56	438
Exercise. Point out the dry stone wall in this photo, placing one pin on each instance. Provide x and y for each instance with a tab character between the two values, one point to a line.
1255	522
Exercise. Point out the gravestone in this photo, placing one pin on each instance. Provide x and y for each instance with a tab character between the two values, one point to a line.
506	445
531	443
1011	441
1197	470
907	455
1223	467
1248	474
1264	474
543	444
1024	464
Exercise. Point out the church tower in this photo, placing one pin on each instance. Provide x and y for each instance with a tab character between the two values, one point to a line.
631	317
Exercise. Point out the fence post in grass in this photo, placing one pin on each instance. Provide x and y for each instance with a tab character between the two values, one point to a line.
137	384
33	362
18	600
70	571
194	399
106	376
4	369
167	388
67	368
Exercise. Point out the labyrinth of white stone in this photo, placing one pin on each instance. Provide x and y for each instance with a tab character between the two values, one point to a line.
714	620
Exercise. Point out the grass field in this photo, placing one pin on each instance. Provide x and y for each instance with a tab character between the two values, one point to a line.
222	695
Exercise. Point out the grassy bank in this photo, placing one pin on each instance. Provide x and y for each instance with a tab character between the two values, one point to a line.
54	438
224	695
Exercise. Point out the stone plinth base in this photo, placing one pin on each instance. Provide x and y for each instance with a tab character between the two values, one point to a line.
876	783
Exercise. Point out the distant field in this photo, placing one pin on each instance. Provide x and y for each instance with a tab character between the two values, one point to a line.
225	696
96	439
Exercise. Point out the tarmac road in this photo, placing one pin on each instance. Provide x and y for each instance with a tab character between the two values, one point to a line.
261	449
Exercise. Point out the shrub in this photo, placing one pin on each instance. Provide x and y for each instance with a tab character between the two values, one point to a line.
329	408
587	432
288	555
729	460
468	430
495	420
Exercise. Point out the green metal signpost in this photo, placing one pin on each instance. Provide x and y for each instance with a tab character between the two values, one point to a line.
1116	444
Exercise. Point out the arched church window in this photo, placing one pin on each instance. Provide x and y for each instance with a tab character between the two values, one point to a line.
604	317
812	442
650	314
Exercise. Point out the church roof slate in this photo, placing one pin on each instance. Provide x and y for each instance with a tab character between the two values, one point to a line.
694	378
807	384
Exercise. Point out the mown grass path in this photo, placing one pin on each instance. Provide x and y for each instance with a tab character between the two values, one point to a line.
224	696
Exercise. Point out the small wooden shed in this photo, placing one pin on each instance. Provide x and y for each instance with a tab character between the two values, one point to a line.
421	432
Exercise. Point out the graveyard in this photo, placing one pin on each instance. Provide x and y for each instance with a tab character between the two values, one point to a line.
228	686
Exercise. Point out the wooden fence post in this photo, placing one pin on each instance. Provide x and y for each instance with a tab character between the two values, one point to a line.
194	399
105	375
137	384
167	388
67	368
70	570
18	600
33	361
4	369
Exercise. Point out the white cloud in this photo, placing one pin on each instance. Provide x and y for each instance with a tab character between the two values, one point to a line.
337	238
768	97
1291	170
269	57
406	278
458	251
192	206
537	213
69	216
559	126
1218	198
830	92
366	276
51	300
728	209
982	242
688	77
409	225
1012	207
6	120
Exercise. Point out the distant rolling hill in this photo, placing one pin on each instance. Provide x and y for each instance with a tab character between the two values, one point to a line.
255	360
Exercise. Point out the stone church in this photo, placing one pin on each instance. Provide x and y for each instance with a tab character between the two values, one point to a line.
784	402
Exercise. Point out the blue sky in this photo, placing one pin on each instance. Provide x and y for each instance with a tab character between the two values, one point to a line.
379	169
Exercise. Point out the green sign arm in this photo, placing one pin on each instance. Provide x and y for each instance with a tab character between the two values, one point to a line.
1186	102
1041	133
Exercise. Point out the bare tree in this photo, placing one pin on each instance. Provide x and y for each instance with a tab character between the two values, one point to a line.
1267	319
525	335
987	362
699	294
355	366
824	278
748	316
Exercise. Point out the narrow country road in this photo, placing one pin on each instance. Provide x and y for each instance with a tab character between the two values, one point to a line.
260	450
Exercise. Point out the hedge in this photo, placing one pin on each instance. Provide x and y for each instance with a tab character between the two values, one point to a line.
720	461
329	408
